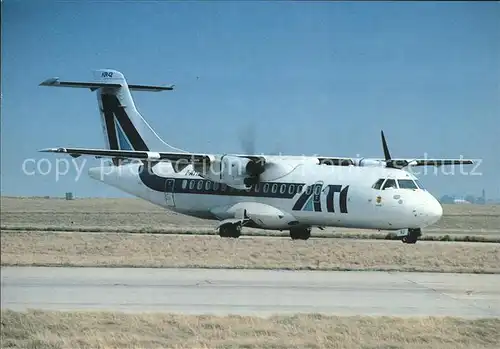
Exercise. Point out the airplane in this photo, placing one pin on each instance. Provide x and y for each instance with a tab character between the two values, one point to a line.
272	192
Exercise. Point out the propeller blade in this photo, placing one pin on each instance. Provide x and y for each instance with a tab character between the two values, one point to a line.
388	159
387	155
248	140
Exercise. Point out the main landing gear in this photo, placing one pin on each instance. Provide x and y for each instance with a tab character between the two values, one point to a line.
234	231
412	236
300	233
230	230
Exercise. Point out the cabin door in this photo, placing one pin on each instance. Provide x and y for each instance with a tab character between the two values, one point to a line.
169	192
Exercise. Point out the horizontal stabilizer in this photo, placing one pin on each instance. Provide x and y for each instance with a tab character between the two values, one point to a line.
55	82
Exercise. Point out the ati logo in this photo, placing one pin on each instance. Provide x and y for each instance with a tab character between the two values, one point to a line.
310	200
107	74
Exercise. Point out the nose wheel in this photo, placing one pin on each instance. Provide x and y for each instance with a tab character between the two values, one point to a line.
412	236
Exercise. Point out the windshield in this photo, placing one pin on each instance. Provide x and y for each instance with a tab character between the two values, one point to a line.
378	184
389	184
420	186
407	184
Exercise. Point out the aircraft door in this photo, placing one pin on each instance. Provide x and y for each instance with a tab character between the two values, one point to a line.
169	192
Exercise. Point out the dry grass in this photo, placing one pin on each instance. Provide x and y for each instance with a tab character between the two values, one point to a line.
27	246
140	216
148	250
40	329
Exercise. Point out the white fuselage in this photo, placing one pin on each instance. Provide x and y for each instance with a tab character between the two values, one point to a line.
308	195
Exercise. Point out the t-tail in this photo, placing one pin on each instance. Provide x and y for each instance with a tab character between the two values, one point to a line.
123	126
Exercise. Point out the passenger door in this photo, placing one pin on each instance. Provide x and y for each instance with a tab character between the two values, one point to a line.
169	192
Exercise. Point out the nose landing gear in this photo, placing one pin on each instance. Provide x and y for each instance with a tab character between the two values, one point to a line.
412	236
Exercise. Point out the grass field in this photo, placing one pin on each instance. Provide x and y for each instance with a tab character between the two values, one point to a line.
161	250
40	329
28	246
130	215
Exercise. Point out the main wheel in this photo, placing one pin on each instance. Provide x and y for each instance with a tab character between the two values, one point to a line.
300	233
230	231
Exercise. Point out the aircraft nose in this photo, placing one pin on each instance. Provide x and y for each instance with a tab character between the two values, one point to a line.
432	210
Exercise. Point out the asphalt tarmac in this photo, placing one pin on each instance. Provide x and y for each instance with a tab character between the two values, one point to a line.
251	292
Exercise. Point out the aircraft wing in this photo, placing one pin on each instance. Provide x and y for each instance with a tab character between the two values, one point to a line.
206	158
131	154
430	162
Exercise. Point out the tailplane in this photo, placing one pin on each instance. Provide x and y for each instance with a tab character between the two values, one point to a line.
124	127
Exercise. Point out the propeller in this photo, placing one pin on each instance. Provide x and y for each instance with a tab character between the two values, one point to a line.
387	155
247	140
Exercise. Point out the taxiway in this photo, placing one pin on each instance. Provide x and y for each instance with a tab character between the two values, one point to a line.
251	292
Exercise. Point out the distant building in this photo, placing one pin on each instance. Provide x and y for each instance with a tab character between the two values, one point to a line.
461	201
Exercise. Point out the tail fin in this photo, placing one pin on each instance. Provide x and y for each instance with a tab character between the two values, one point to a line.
124	127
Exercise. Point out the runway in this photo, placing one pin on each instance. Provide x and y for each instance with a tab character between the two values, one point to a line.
251	292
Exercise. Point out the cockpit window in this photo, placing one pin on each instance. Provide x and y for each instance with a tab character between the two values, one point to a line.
407	184
390	183
420	186
378	184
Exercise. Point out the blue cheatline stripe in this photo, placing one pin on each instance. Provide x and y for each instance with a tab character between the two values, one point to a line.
124	143
112	108
282	190
309	205
208	187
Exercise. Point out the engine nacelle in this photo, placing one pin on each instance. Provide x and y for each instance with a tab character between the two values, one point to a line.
235	171
369	162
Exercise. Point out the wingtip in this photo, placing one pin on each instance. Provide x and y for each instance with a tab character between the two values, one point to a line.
52	150
49	82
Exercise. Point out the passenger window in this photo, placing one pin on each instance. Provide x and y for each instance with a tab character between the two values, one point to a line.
378	184
274	188
191	184
208	185
406	184
291	189
389	184
184	184
216	186
266	187
282	188
200	185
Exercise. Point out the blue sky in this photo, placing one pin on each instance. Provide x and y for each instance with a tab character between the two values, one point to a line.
311	77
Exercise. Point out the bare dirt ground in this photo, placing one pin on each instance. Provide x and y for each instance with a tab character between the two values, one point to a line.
138	215
40	329
166	250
